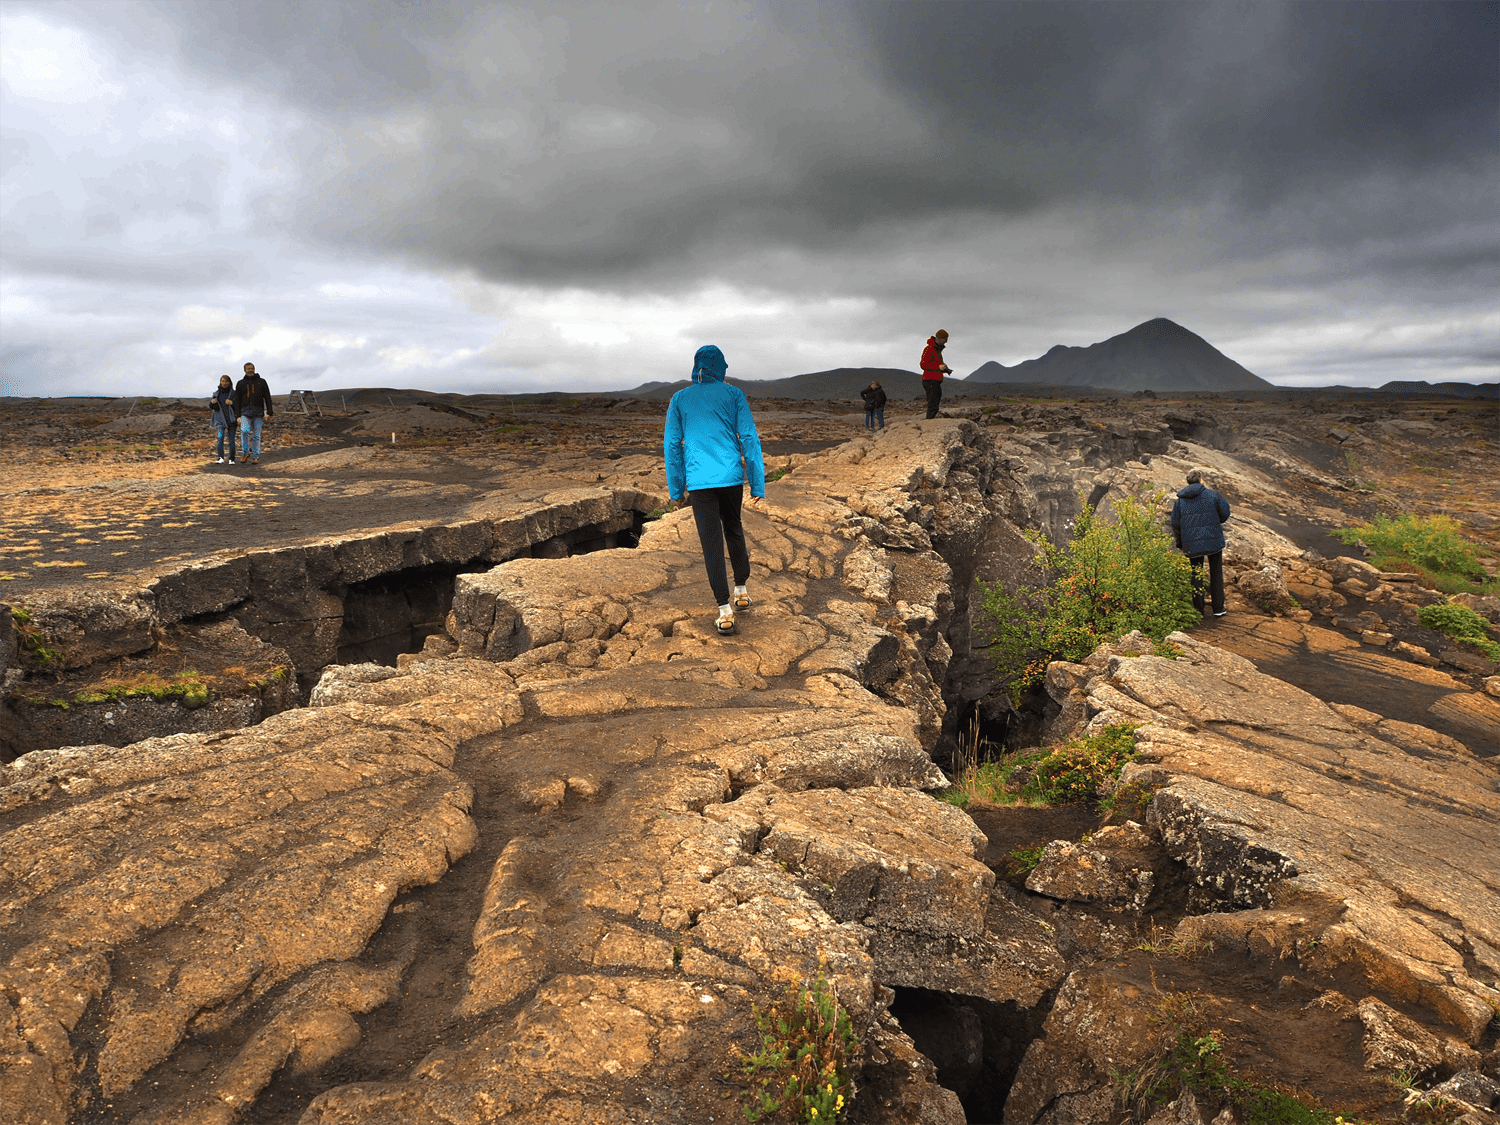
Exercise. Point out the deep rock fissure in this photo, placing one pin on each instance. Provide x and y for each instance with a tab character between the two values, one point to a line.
260	628
976	1044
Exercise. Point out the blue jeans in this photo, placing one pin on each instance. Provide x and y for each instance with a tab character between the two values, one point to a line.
223	431
874	415
250	427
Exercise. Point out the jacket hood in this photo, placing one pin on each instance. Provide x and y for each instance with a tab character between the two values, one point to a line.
709	365
1190	491
936	343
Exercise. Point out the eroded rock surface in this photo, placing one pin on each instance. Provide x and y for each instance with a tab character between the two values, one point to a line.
690	823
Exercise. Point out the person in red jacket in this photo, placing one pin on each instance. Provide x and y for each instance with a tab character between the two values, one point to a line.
933	370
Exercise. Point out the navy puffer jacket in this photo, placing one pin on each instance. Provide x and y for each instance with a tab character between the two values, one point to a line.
1196	518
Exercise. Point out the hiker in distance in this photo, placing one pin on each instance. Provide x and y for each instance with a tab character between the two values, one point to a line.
224	417
711	446
933	370
874	398
1198	515
252	399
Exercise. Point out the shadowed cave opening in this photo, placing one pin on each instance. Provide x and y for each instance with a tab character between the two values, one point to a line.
395	613
976	1044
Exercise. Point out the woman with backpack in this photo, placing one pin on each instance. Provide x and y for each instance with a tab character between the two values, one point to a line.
224	417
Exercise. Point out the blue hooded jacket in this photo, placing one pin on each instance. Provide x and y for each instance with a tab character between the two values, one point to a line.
710	439
1196	517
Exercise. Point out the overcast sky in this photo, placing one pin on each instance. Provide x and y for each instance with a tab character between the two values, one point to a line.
486	197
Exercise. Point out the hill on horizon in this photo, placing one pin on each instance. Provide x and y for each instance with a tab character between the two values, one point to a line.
1158	355
837	383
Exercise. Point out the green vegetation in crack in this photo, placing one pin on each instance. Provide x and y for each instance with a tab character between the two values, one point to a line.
1112	577
1433	546
1461	623
801	1070
1193	1061
1080	769
34	648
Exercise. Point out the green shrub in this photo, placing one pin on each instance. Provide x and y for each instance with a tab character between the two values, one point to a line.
1072	772
801	1070
1112	578
1433	545
1461	622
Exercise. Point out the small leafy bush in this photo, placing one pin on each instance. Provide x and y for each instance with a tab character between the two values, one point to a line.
1075	771
1112	578
1434	545
1461	622
807	1044
773	477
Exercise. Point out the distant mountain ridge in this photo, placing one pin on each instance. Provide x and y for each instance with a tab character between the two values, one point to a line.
838	383
1158	355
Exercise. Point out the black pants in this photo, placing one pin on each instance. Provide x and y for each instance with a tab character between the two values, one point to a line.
1215	580
716	511
934	391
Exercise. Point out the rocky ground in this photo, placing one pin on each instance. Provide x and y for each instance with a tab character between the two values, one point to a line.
545	868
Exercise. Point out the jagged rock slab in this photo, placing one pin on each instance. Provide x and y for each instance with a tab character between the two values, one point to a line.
1321	838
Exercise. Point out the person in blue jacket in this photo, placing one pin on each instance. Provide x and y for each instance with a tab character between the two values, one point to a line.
1197	525
710	445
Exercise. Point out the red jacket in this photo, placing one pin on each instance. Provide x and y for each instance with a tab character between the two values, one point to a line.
932	360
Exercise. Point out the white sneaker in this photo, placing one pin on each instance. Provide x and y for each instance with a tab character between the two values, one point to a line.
231	461
220	461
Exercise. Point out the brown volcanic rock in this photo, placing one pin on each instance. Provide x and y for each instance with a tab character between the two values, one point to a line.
1368	847
233	884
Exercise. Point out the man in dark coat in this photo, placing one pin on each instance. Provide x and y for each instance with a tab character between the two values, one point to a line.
874	396
252	401
1197	519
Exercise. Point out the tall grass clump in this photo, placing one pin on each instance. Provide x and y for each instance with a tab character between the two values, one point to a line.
1112	577
1433	545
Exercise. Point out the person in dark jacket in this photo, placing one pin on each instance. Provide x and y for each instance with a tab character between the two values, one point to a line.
1197	526
252	399
933	370
711	446
874	398
222	408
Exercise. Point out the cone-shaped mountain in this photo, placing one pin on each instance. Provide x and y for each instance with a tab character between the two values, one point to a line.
1157	355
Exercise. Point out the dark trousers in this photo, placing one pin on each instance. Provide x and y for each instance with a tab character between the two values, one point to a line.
934	391
874	414
1215	580
716	511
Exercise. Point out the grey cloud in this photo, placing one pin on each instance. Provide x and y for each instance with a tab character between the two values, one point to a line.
590	143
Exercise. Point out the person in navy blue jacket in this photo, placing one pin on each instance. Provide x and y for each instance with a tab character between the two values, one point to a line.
1197	524
710	445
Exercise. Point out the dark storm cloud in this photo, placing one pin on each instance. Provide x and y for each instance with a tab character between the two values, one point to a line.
590	143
